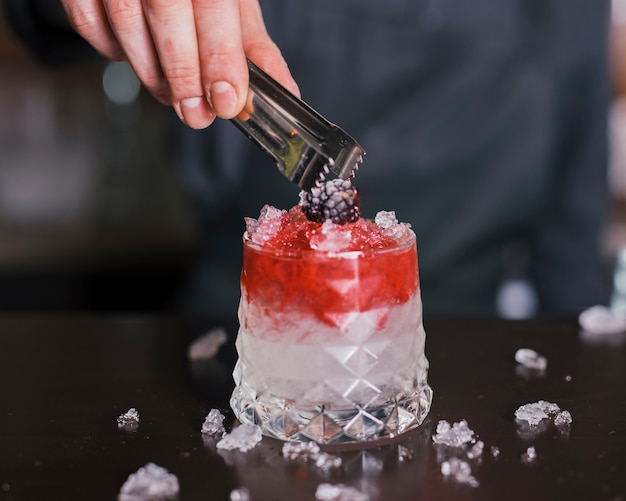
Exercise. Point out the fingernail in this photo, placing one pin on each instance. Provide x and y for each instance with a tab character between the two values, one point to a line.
195	112
223	98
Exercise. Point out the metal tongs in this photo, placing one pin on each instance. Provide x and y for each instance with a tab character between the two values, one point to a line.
304	145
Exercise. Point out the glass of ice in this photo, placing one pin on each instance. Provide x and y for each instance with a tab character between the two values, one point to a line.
331	341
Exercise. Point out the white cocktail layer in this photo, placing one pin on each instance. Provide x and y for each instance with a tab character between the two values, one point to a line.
366	359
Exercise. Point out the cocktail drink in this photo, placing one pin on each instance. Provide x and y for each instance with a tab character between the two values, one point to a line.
331	341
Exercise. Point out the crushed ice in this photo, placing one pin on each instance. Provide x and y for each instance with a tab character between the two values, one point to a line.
460	471
530	359
529	455
129	421
600	320
563	419
476	450
240	494
213	425
309	452
534	413
251	225
386	219
458	446
456	435
388	223
332	238
207	345
150	483
268	224
339	492
535	418
244	438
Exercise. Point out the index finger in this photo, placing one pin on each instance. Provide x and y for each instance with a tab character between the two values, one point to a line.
222	60
172	27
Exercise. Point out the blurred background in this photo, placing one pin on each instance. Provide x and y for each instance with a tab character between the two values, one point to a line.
92	214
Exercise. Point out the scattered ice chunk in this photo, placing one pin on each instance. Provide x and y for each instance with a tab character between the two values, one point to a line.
529	455
563	419
129	421
240	494
551	409
536	412
459	471
531	359
339	492
213	423
269	223
150	483
459	446
245	437
495	451
476	451
457	435
310	452
207	345
535	418
601	320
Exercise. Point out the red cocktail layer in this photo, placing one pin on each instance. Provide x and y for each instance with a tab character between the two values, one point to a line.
372	270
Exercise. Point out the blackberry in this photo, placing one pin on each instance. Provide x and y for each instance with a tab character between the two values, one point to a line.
336	200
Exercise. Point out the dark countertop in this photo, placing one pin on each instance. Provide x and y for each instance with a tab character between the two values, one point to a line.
66	379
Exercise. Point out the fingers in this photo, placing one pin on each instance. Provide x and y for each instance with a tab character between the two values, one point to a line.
172	27
187	53
223	66
128	23
89	19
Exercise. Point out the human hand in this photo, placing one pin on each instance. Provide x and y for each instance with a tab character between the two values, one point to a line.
190	54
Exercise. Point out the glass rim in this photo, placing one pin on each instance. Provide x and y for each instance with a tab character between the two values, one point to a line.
285	252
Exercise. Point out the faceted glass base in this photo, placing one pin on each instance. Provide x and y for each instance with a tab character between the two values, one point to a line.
282	420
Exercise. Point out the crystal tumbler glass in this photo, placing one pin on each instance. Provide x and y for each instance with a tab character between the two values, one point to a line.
331	344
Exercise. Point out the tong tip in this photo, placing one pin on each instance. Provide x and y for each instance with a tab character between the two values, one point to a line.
347	169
